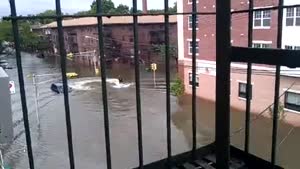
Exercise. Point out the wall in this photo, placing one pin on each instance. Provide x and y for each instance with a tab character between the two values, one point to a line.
289	32
262	89
6	124
207	23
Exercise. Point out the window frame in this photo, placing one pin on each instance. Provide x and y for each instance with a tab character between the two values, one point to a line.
241	94
191	79
262	18
191	47
190	22
261	43
190	2
291	106
294	15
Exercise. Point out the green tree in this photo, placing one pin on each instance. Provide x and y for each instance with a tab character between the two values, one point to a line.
177	87
47	13
122	9
161	50
108	7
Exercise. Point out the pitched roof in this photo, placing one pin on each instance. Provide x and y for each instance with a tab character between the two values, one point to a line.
110	21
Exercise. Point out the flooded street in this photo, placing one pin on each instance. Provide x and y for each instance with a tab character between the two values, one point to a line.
50	139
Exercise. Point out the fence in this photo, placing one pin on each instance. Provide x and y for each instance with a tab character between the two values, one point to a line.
225	55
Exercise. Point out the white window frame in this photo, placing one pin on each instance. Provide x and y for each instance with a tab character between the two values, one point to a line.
262	18
294	16
244	82
189	41
191	81
190	2
285	100
191	22
261	42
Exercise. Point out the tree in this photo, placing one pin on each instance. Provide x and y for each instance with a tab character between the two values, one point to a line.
122	9
47	13
108	7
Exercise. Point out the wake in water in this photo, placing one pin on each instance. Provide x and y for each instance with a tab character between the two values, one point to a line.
82	83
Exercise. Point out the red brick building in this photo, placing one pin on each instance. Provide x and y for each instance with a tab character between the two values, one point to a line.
81	35
264	36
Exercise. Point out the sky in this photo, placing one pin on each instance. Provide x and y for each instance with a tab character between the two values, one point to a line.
25	7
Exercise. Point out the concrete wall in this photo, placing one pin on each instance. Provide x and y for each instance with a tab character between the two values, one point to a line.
6	127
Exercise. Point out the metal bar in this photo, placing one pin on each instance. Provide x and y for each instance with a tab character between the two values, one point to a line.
194	60
277	86
167	67
223	44
15	30
142	14
249	74
65	82
137	84
104	88
289	58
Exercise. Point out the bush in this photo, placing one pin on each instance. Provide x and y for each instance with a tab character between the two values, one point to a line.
177	88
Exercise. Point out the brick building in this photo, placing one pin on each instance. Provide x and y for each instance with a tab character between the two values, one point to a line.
264	36
81	35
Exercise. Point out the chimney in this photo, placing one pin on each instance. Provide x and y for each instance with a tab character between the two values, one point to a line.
145	8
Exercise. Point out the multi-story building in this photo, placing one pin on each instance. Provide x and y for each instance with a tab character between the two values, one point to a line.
264	36
81	35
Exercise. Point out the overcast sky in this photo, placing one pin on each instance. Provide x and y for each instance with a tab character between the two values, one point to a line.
25	7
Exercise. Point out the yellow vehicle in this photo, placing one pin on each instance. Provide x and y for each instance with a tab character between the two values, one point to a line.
72	75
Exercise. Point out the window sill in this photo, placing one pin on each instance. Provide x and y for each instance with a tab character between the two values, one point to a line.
262	27
192	86
291	111
190	29
243	99
190	54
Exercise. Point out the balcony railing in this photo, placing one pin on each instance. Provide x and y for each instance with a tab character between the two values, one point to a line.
221	154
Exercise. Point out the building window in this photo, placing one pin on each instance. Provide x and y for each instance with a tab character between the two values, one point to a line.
293	16
262	19
297	48
191	48
191	79
262	45
242	90
191	21
288	47
191	1
292	101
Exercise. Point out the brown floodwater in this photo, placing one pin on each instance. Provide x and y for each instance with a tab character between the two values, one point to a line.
50	140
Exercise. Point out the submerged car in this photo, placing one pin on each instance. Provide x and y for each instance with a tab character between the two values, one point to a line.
58	88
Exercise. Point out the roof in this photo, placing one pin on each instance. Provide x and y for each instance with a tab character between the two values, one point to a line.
111	21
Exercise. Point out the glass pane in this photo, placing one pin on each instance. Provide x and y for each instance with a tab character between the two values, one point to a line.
290	12
257	14
242	87
293	98
298	21
257	22
256	45
289	21
288	47
298	11
267	22
297	47
267	14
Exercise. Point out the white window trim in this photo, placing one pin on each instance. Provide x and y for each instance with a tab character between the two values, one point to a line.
245	82
190	3
262	41
190	40
189	23
261	27
197	74
291	91
291	17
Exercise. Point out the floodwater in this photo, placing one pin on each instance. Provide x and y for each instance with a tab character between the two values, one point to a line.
50	140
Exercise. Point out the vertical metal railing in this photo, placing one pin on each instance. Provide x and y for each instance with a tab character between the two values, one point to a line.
223	44
168	92
21	82
249	81
194	67
277	86
63	56
137	84
103	83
